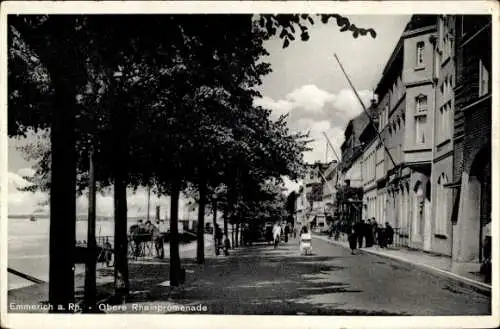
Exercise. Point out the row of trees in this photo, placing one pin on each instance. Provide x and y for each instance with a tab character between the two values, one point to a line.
163	101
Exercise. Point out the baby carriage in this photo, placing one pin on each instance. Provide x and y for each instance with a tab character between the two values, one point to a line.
305	243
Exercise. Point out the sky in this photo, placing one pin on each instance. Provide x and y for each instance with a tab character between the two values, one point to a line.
306	82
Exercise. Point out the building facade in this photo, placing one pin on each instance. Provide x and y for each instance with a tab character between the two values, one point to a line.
312	204
429	173
369	159
442	149
471	186
402	163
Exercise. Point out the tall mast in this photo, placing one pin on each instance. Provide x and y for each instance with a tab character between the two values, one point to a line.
366	112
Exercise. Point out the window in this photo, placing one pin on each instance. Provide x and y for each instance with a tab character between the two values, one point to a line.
420	127
483	79
421	104
420	53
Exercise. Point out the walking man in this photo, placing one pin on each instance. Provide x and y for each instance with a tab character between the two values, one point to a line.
359	231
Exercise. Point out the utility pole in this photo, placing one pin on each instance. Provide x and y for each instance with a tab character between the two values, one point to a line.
90	269
366	112
331	146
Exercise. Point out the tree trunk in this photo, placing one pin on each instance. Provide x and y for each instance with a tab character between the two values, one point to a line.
62	194
90	273
232	236
119	122
237	235
175	261
121	238
200	251
214	208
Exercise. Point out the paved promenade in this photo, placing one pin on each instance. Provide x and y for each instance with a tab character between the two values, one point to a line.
264	280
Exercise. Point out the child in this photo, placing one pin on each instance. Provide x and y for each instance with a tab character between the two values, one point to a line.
305	241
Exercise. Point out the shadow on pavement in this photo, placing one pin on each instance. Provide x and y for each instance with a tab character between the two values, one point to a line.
252	280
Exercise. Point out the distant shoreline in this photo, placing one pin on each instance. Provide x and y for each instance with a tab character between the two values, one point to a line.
84	218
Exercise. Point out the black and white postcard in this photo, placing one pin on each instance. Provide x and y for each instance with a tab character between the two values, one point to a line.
284	164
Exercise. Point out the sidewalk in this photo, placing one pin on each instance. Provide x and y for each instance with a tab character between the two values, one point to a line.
436	264
262	280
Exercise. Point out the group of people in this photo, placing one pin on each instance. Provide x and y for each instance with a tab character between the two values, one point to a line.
281	230
142	233
370	232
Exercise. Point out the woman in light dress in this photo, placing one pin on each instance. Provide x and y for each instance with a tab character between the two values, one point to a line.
305	242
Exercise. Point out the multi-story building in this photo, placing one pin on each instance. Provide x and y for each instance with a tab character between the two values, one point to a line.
432	166
403	159
369	180
310	204
349	201
331	177
352	150
471	216
419	133
390	181
442	148
300	206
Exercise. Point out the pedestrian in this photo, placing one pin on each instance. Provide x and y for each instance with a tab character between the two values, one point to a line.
218	239
352	240
373	230
276	235
381	237
389	234
360	228
305	241
287	231
227	245
367	228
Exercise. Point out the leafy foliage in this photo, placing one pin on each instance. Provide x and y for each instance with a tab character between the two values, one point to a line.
167	103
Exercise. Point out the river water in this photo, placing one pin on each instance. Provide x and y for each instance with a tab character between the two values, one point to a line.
28	246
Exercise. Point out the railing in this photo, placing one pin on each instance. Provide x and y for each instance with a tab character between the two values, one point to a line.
139	246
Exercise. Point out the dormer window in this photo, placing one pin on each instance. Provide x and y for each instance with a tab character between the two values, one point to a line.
421	104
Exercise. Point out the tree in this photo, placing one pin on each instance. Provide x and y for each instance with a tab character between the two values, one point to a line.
66	73
72	48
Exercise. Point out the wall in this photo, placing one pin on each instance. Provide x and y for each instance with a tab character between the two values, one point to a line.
424	150
442	207
472	135
414	73
369	179
369	164
442	168
395	134
354	173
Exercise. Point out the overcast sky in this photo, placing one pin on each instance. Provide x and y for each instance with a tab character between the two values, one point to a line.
306	82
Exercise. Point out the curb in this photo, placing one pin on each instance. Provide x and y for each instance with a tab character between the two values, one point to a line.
476	286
